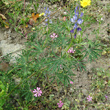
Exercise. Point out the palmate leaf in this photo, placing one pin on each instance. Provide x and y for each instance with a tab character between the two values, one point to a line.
79	64
61	75
25	92
92	50
53	78
64	75
75	63
54	64
38	47
64	78
93	55
85	55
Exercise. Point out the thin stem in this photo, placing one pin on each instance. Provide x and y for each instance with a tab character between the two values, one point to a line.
24	5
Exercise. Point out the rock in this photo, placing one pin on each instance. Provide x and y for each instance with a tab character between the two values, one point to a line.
10	48
104	52
71	90
85	92
54	6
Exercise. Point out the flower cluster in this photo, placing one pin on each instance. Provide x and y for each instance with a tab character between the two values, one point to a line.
47	14
71	50
53	36
37	92
60	104
76	20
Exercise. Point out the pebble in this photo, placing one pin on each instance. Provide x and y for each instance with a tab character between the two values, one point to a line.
85	92
9	48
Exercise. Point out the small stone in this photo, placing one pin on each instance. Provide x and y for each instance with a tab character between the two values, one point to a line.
17	80
104	52
71	90
85	92
102	19
65	13
54	6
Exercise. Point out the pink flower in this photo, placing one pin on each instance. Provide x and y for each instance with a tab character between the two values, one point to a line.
71	82
53	36
106	97
37	92
71	50
89	98
60	104
26	36
61	67
64	18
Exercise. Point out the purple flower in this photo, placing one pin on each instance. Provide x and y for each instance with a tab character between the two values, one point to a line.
81	14
46	11
106	97
37	92
75	36
76	8
47	14
78	29
75	25
89	98
72	31
76	13
74	19
60	104
47	8
79	21
46	24
46	20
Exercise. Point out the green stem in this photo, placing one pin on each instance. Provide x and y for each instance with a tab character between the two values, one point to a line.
69	46
11	71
